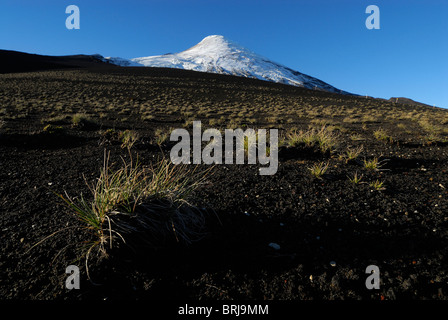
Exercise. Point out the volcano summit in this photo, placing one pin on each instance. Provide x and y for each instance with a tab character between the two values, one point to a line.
217	54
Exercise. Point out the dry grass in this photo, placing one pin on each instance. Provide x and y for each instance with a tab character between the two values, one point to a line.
382	135
353	153
319	169
355	179
161	135
326	140
140	206
128	138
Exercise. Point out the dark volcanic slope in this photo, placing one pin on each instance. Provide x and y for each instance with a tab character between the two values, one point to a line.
14	61
55	125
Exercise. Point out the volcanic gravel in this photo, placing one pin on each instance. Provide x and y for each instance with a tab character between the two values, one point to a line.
289	236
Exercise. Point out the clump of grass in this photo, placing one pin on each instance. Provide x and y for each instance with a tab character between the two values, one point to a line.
373	164
295	138
355	179
128	138
52	129
353	153
140	206
82	120
147	117
431	138
212	122
234	124
319	169
429	127
326	140
356	137
382	135
108	136
160	136
54	120
432	132
377	185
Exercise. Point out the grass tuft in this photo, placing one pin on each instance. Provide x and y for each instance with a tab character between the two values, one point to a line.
382	135
374	164
319	169
353	153
82	120
128	138
141	207
377	185
355	179
52	129
161	135
326	140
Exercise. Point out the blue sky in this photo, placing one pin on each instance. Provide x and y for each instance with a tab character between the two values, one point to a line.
326	39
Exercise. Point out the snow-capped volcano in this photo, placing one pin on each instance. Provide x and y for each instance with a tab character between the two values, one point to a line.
216	54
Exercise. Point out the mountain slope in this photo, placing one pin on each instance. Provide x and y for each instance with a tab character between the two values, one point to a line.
122	62
218	55
15	61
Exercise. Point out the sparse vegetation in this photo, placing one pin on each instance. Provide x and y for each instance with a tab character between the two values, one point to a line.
373	164
133	203
355	179
324	139
353	153
128	138
54	120
82	120
160	136
357	137
319	169
377	185
52	129
343	195
382	135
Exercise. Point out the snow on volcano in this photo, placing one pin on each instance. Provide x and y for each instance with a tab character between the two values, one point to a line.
217	54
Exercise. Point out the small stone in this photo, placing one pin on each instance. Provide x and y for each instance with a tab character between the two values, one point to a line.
274	246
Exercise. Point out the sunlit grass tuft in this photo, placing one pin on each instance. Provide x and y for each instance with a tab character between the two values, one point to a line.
355	179
326	140
128	138
140	206
377	185
319	169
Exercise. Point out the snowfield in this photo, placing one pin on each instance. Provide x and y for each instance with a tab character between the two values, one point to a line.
216	54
